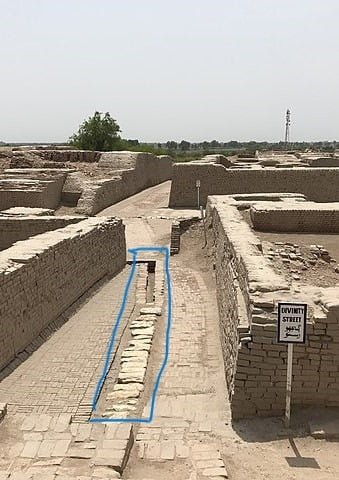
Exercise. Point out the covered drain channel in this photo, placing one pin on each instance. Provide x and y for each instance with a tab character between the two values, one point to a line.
143	294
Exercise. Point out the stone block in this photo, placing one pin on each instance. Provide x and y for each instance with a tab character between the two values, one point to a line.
215	472
30	449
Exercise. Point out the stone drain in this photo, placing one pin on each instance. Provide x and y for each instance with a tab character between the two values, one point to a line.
122	400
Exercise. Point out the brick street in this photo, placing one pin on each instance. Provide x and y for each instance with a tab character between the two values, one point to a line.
191	436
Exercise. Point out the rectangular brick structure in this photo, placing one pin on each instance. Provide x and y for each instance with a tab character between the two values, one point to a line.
296	217
318	184
248	290
41	277
15	228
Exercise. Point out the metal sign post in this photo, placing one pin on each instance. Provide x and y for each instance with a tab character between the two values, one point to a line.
289	385
197	184
291	329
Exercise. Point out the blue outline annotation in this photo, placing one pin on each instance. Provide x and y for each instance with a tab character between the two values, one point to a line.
149	419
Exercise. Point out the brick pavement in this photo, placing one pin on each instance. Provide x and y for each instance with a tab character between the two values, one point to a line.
186	436
192	409
53	387
49	447
61	375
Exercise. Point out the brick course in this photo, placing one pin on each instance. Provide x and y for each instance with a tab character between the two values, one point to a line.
179	226
41	277
296	217
146	170
38	191
20	156
13	229
255	365
318	184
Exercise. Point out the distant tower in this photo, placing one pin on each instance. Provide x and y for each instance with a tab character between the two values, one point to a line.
287	126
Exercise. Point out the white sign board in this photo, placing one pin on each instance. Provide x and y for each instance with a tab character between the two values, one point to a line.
292	322
197	183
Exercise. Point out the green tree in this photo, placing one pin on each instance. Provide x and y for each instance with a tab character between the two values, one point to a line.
100	132
214	144
132	142
184	145
171	145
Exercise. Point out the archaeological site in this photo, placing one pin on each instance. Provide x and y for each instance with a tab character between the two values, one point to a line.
163	319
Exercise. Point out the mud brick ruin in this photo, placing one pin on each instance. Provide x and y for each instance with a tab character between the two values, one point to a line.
269	233
292	198
49	260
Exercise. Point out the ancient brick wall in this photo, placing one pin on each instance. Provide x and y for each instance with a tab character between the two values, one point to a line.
13	229
52	192
260	376
21	192
72	189
21	198
41	277
318	184
255	363
24	157
227	303
178	227
305	217
239	271
97	196
148	171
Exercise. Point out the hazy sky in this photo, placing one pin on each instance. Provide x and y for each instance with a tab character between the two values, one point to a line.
170	69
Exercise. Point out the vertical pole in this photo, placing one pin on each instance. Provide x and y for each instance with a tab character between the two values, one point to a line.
289	384
204	224
197	184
